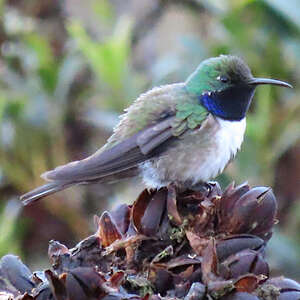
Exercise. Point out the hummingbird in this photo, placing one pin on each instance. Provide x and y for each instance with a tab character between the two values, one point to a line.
182	134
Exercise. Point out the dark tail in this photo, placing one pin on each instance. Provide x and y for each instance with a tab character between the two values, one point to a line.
58	185
43	191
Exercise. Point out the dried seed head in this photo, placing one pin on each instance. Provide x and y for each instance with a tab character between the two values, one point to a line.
147	211
280	288
153	213
139	207
74	290
253	212
197	243
284	283
163	281
244	262
18	274
212	247
230	196
234	244
42	292
55	250
121	216
107	230
90	281
56	285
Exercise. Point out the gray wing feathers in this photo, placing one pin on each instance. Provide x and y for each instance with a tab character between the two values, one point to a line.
122	156
98	165
121	159
154	136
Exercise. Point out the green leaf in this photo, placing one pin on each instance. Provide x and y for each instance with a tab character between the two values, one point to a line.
47	65
259	122
2	106
108	59
8	228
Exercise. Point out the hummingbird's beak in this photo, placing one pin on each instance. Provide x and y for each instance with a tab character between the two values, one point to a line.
257	81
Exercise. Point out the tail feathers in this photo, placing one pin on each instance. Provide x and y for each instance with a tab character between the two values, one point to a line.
58	185
43	191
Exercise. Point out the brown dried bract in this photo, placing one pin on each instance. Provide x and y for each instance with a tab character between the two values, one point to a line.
170	244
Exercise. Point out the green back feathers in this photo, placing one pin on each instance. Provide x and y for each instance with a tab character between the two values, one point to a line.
188	116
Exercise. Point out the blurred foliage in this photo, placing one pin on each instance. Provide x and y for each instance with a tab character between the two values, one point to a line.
10	235
68	69
108	59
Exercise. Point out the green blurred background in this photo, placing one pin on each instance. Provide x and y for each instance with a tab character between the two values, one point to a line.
69	68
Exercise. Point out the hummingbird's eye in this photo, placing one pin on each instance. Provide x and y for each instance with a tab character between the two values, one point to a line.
223	78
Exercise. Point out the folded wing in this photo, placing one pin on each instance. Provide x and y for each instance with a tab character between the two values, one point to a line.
126	155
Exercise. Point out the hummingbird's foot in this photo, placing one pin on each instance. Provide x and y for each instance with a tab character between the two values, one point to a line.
202	187
206	187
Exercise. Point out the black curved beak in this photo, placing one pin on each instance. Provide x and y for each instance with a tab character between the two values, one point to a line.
257	81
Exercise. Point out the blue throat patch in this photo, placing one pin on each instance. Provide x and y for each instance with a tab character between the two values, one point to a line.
231	104
212	106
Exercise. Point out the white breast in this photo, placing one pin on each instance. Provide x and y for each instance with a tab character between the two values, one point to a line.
200	156
229	139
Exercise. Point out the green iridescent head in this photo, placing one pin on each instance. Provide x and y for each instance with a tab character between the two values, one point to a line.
225	86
